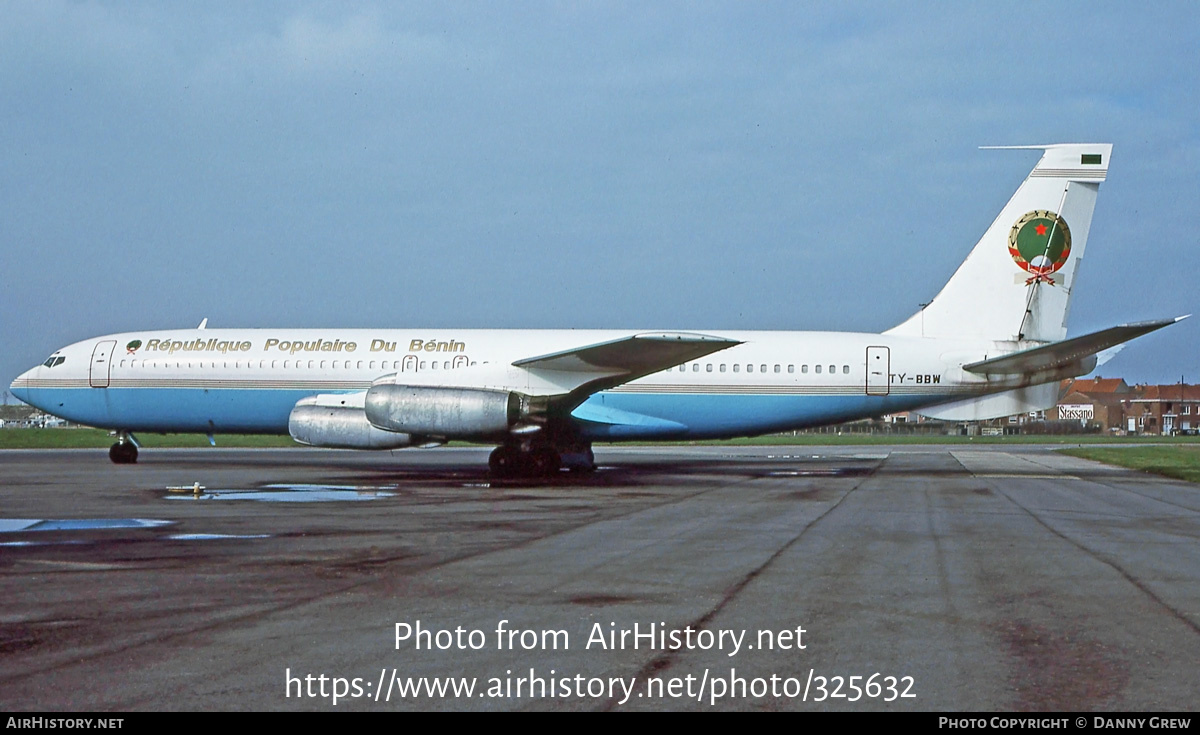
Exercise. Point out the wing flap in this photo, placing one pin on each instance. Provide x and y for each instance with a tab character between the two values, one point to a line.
1060	354
583	371
633	356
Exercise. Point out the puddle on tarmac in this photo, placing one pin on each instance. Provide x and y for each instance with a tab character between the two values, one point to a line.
288	493
24	525
830	457
15	525
214	536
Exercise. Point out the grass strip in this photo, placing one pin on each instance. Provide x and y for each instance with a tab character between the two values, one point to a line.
1180	462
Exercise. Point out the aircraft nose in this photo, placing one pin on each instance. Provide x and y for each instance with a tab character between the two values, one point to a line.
22	386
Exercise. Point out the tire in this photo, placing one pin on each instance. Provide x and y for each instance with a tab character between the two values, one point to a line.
505	461
581	461
123	453
544	462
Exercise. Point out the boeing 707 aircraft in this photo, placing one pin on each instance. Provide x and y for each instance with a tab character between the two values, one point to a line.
992	343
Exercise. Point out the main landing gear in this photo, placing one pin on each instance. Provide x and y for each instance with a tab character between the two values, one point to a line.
540	460
125	451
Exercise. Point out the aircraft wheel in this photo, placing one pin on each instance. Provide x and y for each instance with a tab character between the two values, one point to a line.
582	460
544	462
505	461
123	453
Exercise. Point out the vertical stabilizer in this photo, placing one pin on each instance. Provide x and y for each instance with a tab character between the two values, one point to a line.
1016	283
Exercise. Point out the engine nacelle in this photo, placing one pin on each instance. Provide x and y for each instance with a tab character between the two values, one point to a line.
443	412
339	427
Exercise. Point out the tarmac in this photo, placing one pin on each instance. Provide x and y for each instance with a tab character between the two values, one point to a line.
928	578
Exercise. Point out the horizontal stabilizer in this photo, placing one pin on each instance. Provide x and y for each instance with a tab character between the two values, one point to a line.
1064	353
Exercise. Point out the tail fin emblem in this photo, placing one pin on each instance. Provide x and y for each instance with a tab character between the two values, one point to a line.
1040	243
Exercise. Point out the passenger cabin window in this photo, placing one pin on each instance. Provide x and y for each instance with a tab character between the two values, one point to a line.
832	369
791	368
749	368
722	367
777	368
735	367
696	368
708	367
818	369
845	369
804	368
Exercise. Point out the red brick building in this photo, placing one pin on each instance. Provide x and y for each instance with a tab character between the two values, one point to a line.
1120	408
1162	409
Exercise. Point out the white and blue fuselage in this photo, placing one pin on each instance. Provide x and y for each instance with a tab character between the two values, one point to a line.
248	381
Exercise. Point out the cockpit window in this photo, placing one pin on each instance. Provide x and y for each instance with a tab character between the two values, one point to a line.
59	361
53	361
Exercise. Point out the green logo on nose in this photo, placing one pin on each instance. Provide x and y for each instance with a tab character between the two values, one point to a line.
133	346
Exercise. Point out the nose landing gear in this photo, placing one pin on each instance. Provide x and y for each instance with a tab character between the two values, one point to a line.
125	451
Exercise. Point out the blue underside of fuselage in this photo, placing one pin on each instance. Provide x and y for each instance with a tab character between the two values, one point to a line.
265	411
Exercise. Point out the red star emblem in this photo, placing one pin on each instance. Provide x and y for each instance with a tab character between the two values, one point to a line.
1041	229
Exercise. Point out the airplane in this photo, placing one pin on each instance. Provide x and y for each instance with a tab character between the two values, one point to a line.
992	343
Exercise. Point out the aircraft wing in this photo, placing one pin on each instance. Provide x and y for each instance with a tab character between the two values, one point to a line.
633	356
1066	352
603	365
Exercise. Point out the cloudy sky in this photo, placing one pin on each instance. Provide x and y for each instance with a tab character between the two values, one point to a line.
743	165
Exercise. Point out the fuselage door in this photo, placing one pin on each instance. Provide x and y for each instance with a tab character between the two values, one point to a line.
101	364
878	369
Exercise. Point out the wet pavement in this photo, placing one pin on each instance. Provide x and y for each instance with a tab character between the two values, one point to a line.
1004	578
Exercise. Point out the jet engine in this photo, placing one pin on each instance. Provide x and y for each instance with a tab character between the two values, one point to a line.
324	421
444	412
